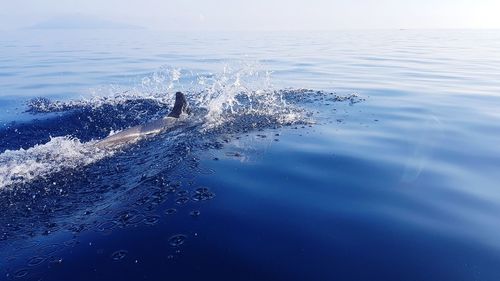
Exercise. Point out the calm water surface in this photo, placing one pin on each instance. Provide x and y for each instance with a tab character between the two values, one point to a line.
399	182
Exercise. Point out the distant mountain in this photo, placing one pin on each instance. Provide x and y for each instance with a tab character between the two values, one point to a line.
81	22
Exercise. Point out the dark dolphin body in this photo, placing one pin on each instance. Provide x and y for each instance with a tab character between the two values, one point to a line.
152	128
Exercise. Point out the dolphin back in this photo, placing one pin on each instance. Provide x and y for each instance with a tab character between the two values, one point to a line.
136	133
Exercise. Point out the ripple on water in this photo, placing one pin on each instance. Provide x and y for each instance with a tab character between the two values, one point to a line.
21	273
170	211
177	240
201	190
182	200
23	245
119	255
203	194
173	187
233	154
126	215
106	226
129	217
182	193
195	213
151	220
11	258
55	260
36	260
50	249
71	243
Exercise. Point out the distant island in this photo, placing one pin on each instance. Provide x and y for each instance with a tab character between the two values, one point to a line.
79	21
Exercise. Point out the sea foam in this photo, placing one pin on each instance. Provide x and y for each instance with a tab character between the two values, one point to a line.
60	153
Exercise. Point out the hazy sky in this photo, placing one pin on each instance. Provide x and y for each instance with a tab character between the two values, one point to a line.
263	14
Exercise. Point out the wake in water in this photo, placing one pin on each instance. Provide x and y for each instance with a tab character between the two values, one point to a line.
234	100
58	154
55	179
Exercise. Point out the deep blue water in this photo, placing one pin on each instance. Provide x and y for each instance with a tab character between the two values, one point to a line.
347	155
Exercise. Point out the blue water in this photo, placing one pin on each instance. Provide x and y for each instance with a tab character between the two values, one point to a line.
349	155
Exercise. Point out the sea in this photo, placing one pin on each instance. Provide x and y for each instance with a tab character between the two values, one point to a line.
326	155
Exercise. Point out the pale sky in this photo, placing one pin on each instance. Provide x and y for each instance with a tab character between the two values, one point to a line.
262	14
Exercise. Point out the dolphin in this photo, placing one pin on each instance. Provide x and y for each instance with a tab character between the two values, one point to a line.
136	133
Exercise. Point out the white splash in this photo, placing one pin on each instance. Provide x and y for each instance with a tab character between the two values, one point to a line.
239	89
24	165
243	88
159	86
